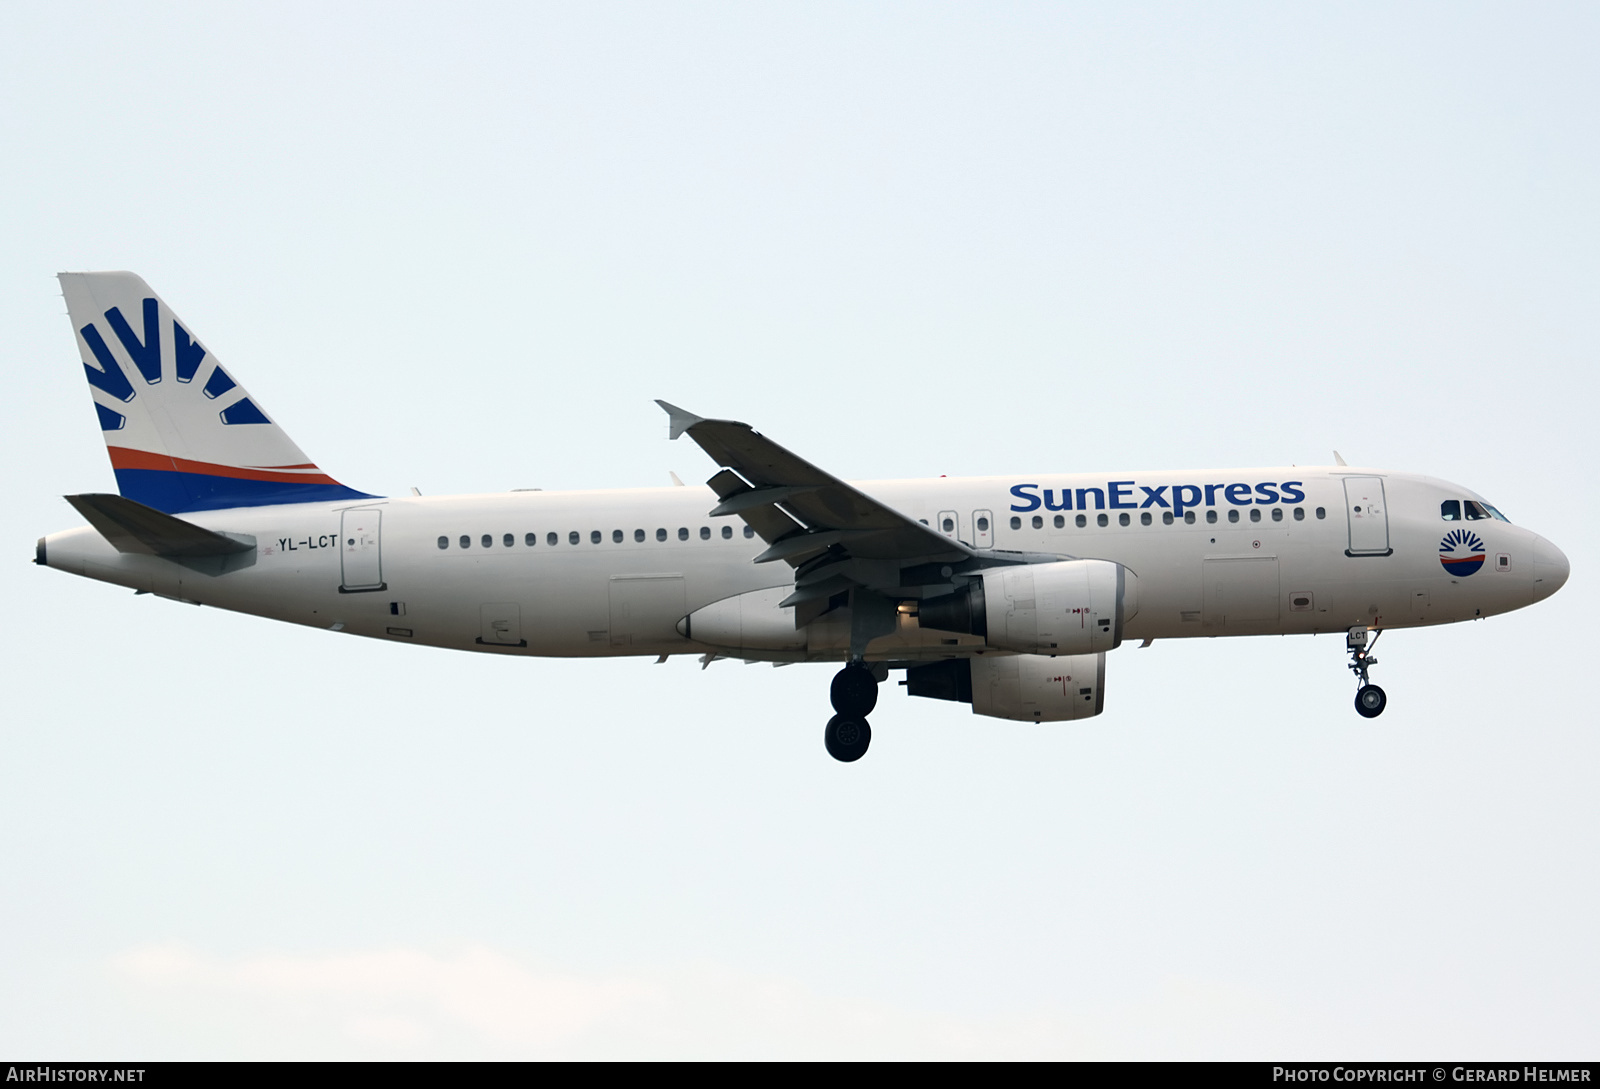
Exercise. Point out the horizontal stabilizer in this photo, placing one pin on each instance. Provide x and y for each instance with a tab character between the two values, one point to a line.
133	527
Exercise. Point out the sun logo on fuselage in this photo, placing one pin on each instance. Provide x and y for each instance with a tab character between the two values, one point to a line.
1461	552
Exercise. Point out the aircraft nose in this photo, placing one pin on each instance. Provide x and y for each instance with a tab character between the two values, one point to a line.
1550	569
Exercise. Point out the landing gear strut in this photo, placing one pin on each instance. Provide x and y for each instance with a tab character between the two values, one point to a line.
855	694
1370	700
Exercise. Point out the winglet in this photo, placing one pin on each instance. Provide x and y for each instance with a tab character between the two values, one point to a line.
678	420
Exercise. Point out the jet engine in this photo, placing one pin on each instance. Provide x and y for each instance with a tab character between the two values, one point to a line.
1068	607
1020	687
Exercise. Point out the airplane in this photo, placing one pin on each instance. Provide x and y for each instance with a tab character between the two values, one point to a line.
1005	593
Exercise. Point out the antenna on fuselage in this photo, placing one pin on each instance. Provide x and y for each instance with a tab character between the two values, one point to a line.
1337	460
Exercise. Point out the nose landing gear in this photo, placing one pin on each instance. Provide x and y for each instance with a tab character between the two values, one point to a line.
1370	699
855	694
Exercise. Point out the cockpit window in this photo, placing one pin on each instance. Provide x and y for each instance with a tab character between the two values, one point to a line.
1452	509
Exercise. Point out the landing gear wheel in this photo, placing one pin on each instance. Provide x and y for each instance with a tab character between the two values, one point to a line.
855	691
1370	701
847	738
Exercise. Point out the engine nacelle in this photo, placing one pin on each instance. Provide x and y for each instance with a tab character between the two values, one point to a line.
1068	607
1020	687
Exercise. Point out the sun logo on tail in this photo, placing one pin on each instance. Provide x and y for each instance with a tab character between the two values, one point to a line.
145	352
1461	552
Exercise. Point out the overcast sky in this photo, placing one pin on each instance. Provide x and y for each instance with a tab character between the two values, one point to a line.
463	247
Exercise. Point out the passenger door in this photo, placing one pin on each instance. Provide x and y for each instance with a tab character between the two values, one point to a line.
360	551
1368	515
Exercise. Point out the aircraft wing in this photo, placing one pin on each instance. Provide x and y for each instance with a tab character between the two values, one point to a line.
807	515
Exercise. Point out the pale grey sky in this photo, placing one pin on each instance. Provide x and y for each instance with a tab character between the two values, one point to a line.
463	248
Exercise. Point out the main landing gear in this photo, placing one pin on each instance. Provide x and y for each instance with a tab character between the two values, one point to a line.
1370	700
855	694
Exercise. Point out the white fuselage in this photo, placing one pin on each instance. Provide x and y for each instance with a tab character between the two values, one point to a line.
480	572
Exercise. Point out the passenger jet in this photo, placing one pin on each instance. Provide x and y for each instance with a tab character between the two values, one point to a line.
1005	593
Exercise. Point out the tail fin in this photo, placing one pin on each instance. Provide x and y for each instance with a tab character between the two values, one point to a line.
182	434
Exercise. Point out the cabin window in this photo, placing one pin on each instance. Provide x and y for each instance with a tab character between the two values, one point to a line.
638	535
683	533
727	532
1103	520
661	534
1016	523
531	539
1123	519
1188	517
1255	514
551	539
1450	510
749	532
1081	520
948	525
1211	517
1233	515
1166	517
1145	519
466	542
444	542
705	533
594	536
983	525
572	537
509	540
488	541
1299	514
1277	514
616	536
1038	522
1322	512
1060	522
